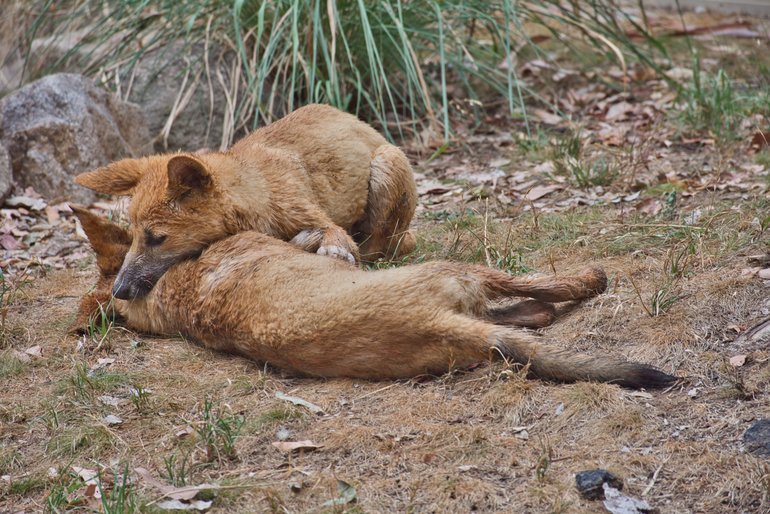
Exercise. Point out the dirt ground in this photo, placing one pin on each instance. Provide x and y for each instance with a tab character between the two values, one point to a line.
671	209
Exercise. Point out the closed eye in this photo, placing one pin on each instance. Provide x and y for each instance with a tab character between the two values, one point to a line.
151	239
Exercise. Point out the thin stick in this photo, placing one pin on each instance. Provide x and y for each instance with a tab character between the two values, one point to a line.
639	294
486	240
653	479
376	391
657	225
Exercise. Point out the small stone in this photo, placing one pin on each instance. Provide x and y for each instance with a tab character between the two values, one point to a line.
757	438
111	419
283	434
589	483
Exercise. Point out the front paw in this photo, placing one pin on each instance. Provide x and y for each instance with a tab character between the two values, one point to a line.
337	252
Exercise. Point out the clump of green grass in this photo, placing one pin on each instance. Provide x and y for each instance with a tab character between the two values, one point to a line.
121	497
27	485
714	104
179	468
100	326
84	384
140	398
393	62
663	298
218	431
58	498
569	159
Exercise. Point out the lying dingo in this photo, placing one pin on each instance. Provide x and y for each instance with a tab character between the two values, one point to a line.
268	300
319	178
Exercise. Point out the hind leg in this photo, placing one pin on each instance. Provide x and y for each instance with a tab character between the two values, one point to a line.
384	230
528	313
588	283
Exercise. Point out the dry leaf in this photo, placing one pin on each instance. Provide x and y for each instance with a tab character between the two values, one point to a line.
546	117
109	400
35	204
175	493
178	505
290	446
432	187
499	162
680	74
649	206
8	242
184	432
315	409
34	351
618	503
760	140
737	360
346	492
102	363
538	192
88	475
546	167
620	111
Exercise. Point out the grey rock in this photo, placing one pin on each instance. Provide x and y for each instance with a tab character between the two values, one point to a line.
757	438
590	483
198	116
62	125
6	176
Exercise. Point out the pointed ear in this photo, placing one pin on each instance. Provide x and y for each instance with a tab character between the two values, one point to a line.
117	178
109	241
186	174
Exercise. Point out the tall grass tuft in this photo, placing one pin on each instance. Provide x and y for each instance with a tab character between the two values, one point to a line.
407	65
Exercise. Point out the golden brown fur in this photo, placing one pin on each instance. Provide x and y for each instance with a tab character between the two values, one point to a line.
267	300
318	177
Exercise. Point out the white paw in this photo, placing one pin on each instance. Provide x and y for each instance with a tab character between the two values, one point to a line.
337	252
307	238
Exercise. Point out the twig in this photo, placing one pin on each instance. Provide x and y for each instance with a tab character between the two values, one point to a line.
653	479
657	225
639	294
381	389
486	240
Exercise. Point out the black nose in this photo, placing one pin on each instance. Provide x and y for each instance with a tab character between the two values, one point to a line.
122	290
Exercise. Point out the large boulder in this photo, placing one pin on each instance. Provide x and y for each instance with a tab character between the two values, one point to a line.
62	125
6	177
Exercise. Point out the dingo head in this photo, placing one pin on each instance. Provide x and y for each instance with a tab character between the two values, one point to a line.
175	213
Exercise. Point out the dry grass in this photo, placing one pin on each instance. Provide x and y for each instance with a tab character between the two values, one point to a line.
485	440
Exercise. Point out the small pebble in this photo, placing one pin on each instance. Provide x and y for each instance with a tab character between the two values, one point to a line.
589	483
757	438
